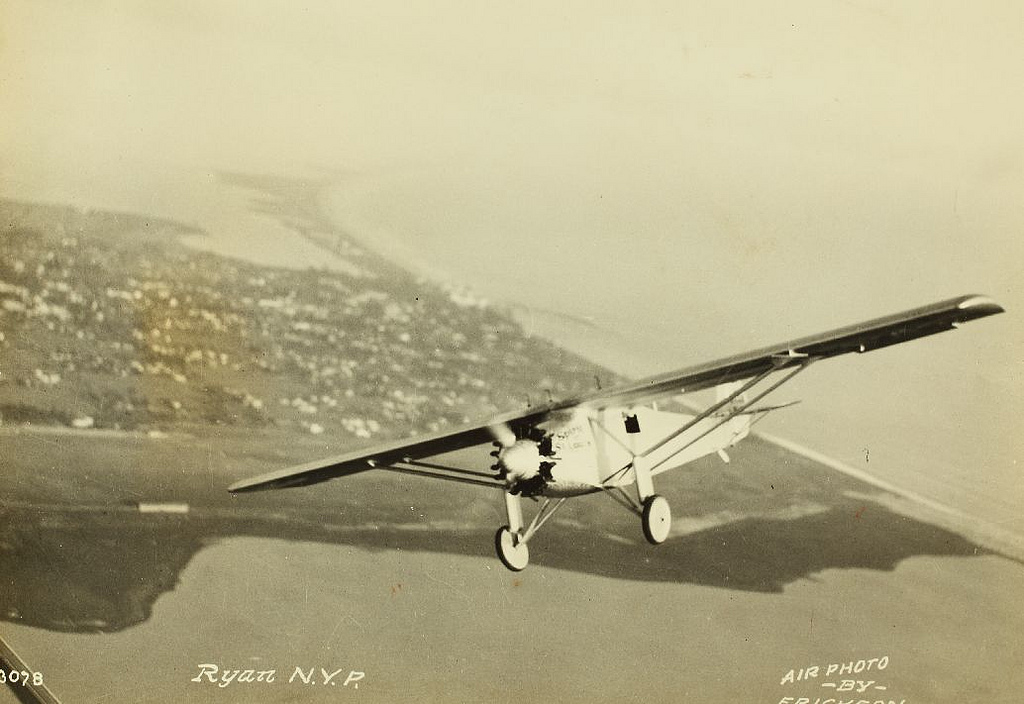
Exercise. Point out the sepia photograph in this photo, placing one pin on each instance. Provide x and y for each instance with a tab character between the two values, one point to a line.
372	352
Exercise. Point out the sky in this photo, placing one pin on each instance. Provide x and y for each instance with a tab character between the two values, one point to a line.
694	180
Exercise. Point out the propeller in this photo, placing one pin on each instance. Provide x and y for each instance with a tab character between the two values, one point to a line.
503	435
518	459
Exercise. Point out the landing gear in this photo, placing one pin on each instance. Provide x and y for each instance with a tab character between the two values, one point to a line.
512	550
653	509
511	540
657	519
656	514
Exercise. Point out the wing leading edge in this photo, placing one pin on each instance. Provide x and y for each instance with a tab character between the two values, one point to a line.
862	337
403	451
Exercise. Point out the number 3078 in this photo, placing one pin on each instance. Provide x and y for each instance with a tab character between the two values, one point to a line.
20	677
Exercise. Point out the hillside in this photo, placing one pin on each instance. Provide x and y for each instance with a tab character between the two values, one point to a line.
108	321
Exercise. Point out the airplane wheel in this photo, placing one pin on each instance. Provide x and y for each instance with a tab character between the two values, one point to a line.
514	554
657	519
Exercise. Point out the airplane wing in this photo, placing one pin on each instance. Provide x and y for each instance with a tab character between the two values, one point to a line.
385	456
863	337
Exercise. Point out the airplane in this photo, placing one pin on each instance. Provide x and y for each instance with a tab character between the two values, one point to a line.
617	441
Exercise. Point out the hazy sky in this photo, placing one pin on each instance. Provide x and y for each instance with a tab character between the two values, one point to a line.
718	144
701	179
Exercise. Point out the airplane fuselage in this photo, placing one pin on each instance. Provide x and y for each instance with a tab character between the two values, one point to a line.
585	450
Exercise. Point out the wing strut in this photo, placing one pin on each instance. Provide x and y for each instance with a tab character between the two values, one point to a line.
439	471
733	412
711	411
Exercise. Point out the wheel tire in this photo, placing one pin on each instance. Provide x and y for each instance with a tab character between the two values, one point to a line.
657	519
512	553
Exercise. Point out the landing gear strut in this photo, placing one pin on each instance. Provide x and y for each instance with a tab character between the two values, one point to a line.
656	514
511	540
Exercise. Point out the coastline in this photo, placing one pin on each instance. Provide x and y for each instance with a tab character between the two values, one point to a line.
951	499
299	238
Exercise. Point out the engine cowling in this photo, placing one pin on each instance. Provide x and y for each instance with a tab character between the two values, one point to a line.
520	461
525	458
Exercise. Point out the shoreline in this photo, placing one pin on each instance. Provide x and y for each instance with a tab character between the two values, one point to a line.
617	354
225	212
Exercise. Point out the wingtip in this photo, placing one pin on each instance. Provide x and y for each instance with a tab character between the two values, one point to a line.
254	484
259	484
238	488
980	305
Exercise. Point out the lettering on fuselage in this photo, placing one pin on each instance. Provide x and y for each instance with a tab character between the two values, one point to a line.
571	437
574	468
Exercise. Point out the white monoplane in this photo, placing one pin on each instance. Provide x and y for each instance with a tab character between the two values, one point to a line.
615	439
